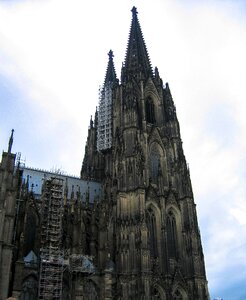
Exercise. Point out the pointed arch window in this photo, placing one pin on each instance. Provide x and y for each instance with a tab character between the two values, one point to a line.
177	295
152	234
154	164
156	294
172	244
29	289
90	291
150	111
30	232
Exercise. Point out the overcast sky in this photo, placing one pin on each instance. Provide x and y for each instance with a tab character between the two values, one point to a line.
53	57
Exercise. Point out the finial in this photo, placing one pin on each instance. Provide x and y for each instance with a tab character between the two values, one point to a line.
11	141
110	54
134	11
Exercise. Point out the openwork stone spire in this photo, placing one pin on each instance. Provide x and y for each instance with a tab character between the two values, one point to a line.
137	58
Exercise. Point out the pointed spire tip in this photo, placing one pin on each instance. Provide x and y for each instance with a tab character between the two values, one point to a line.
110	73
111	54
134	11
11	141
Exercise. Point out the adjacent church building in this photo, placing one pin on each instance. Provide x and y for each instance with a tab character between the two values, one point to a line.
127	228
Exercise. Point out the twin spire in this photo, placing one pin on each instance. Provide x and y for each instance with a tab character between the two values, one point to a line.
137	58
110	73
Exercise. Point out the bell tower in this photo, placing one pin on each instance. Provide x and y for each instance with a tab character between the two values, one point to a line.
158	252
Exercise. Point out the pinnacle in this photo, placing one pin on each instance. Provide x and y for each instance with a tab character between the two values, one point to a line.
11	141
134	11
110	73
110	55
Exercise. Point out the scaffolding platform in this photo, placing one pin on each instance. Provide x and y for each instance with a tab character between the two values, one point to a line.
51	252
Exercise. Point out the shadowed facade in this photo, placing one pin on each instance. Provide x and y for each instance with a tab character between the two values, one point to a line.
139	238
152	231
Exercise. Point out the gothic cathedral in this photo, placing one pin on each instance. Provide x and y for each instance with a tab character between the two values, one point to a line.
136	239
134	147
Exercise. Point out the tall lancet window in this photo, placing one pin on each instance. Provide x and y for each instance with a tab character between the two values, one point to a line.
150	111
156	294
152	234
177	295
29	289
30	232
155	164
172	242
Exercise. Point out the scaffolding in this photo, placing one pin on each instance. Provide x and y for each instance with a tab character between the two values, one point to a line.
104	130
79	263
51	252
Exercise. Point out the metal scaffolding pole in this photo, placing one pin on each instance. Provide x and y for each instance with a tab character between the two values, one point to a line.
51	252
104	131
